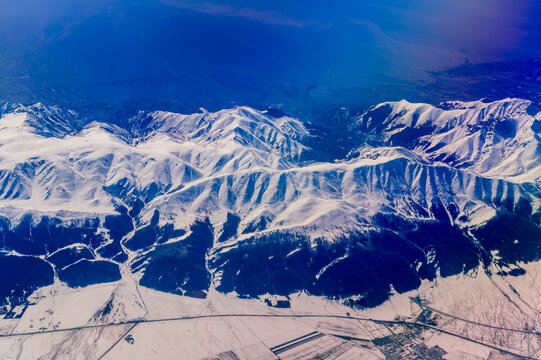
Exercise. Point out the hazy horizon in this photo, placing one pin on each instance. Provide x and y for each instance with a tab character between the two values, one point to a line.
106	56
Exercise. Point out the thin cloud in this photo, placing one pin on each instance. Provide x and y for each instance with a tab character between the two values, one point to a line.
271	17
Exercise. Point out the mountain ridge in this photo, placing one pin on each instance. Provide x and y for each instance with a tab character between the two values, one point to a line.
137	194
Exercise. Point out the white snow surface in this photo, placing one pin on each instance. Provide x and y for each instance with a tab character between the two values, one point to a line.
471	297
246	162
495	139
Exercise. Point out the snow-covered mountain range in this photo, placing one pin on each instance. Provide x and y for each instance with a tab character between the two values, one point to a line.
259	202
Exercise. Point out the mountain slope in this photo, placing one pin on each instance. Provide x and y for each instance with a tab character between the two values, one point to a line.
226	196
499	139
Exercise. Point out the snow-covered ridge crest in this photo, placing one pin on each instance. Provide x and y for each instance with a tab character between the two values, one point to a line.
241	125
226	196
49	161
248	162
497	139
48	121
229	128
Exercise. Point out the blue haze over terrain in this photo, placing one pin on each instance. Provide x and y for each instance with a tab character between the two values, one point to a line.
254	202
105	57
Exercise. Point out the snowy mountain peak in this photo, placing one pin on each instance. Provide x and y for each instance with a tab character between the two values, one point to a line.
238	127
492	139
225	196
48	121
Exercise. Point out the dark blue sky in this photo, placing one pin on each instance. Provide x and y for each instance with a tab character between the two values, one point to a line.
105	56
